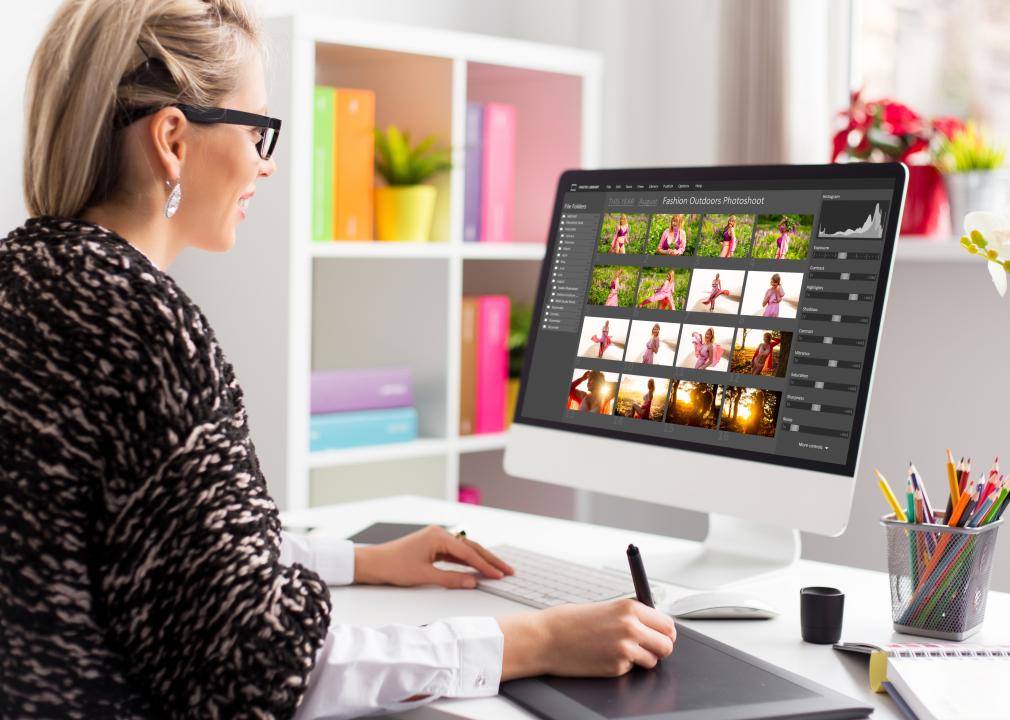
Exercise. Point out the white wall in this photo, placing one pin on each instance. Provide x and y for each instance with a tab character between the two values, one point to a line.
946	337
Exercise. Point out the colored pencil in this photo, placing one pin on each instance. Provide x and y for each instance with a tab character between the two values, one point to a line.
1002	508
885	488
927	506
980	512
910	500
951	501
952	479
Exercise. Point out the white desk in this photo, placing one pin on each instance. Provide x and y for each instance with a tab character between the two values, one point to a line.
867	600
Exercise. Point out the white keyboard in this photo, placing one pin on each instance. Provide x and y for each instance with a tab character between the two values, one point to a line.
542	581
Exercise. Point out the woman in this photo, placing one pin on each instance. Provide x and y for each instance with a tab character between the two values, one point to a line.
593	398
663	297
728	238
643	409
672	241
782	241
706	351
652	346
620	237
762	360
614	298
716	292
603	339
150	574
773	296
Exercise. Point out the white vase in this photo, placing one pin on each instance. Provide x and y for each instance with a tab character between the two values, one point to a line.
987	190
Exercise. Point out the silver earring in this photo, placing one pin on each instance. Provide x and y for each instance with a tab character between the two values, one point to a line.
174	198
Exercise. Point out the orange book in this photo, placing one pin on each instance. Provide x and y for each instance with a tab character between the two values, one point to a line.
468	366
353	164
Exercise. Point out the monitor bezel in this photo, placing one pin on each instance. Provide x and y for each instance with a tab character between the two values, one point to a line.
896	172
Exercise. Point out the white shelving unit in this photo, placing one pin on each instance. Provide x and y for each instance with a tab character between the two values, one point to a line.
283	305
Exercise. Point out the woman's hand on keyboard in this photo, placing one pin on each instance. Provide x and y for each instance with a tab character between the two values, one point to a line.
602	639
409	560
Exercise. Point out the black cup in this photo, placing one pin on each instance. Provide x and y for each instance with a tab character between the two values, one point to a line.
821	611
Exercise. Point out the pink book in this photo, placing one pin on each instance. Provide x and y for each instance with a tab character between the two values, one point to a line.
498	173
492	363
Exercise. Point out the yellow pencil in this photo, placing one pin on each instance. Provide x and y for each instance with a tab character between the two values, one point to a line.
892	501
955	493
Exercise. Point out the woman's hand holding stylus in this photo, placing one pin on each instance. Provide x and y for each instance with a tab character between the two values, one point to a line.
589	640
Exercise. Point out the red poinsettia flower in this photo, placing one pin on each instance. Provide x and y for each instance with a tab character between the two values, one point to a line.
948	125
886	129
899	118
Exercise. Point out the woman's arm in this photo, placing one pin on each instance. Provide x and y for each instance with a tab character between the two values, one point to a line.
190	586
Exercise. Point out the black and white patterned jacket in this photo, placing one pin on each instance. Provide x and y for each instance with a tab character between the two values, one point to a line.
139	567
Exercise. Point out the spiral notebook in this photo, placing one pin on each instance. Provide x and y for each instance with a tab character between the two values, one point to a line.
940	681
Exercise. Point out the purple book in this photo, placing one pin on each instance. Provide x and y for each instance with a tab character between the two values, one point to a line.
473	171
360	389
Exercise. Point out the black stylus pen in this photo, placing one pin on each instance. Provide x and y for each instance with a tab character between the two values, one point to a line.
642	590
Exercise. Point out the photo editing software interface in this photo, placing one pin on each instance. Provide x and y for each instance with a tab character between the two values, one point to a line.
713	313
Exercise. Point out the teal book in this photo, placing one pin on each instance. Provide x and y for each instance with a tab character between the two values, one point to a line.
335	431
322	163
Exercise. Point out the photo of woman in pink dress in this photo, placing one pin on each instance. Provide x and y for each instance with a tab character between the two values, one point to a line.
664	295
728	238
716	292
596	395
603	338
674	239
642	397
706	351
782	241
620	238
651	347
764	354
773	296
643	409
615	289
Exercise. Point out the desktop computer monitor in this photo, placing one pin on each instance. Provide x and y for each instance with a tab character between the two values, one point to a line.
705	338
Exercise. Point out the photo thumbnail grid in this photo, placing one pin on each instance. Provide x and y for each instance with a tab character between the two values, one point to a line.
741	409
762	293
773	236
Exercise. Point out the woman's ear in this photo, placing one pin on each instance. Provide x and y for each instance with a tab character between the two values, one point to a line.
168	130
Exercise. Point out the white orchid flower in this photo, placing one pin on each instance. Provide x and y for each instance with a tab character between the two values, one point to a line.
988	235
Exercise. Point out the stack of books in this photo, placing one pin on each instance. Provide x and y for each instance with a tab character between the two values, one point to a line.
490	177
352	408
484	364
343	164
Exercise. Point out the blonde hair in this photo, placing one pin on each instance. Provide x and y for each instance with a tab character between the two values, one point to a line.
98	56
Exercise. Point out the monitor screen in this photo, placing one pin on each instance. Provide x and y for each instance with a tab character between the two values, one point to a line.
720	310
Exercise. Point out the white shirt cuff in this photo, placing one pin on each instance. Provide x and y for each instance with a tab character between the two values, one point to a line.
362	670
331	557
481	652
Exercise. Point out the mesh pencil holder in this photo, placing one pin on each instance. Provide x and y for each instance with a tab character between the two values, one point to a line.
939	576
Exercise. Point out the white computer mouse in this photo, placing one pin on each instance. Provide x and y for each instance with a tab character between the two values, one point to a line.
721	605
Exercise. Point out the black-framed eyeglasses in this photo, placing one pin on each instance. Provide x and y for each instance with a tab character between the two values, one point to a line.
269	128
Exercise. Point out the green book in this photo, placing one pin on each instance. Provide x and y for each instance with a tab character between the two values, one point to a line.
322	163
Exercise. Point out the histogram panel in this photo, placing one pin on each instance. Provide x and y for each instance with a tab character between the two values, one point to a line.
853	219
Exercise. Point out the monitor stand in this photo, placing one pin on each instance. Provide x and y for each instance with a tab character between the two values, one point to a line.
734	551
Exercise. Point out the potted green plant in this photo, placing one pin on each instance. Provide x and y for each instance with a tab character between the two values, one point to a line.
973	172
405	206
